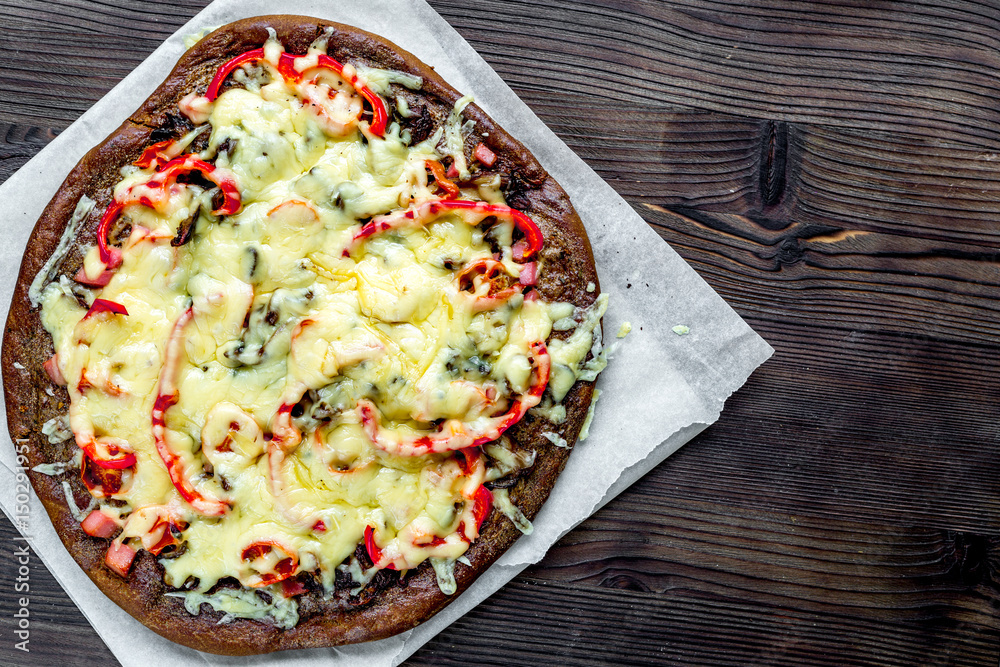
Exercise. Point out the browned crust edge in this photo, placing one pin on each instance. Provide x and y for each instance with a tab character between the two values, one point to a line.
569	267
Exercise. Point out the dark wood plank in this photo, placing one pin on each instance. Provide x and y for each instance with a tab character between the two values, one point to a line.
18	144
829	593
58	633
919	67
831	169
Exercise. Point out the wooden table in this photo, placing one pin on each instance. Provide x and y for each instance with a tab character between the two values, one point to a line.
833	170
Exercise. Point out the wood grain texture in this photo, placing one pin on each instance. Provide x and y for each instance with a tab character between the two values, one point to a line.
831	168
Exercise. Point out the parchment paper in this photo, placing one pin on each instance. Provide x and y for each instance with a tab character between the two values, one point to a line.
665	387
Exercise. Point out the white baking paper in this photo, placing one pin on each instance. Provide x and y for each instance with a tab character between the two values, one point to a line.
659	391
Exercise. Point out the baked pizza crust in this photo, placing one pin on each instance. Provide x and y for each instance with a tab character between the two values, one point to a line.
402	603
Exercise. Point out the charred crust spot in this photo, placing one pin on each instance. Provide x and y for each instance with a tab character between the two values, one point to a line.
420	124
515	191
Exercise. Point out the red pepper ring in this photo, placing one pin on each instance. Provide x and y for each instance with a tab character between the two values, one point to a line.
286	67
228	68
453	434
156	154
380	116
164	533
185	164
161	182
471	278
167	395
471	212
283	569
103	482
110	256
115	458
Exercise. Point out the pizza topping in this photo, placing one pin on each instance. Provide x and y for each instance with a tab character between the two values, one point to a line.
57	429
453	434
99	524
470	212
105	306
104	481
167	396
51	367
74	509
454	141
318	79
48	272
570	361
162	152
444	570
488	283
156	193
450	190
245	603
267	562
501	498
484	155
100	280
119	557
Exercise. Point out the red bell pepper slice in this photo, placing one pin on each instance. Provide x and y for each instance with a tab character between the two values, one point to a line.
451	190
156	155
373	550
99	524
163	534
167	396
111	256
119	557
482	504
101	482
471	212
286	67
105	306
108	455
168	174
452	434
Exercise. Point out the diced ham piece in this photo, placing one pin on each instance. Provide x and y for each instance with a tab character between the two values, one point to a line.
103	278
529	273
99	524
120	557
484	155
519	251
292	587
52	370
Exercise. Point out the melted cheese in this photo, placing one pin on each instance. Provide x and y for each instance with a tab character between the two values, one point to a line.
281	315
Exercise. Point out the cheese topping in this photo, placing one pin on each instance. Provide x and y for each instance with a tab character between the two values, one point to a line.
236	382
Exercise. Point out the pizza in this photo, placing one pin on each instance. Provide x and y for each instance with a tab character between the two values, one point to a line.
300	349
